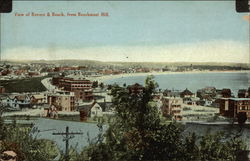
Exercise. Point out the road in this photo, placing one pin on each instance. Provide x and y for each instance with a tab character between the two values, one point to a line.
47	83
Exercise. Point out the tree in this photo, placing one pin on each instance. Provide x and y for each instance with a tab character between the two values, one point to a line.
109	87
95	84
138	133
217	147
242	118
101	85
190	148
2	126
28	148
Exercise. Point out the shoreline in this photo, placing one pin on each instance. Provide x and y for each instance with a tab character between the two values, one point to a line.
110	77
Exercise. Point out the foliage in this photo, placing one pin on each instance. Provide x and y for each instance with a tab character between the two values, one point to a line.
218	148
95	152
138	133
241	118
135	133
2	129
109	87
2	125
26	147
101	85
95	84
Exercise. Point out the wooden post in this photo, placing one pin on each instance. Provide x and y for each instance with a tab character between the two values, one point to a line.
66	139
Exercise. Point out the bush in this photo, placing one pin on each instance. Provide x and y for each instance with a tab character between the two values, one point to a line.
19	140
137	133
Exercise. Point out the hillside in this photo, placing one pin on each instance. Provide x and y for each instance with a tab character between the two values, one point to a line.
126	64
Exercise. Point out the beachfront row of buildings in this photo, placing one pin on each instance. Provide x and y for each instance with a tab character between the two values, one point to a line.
231	107
206	103
177	109
75	93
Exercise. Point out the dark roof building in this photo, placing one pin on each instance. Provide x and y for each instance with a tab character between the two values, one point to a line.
242	93
171	93
75	83
230	107
226	93
135	88
186	93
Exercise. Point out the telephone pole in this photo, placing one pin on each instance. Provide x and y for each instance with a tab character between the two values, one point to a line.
66	139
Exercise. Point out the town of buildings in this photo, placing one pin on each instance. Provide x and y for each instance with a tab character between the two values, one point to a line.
71	89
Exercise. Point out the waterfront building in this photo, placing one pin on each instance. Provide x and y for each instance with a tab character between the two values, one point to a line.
62	100
76	83
38	99
207	92
226	93
96	110
191	101
243	93
17	101
172	106
171	93
187	94
209	101
135	88
230	107
51	112
56	80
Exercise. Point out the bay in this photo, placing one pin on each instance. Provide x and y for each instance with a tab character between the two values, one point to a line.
192	81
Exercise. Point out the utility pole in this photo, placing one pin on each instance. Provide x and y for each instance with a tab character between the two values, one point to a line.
66	139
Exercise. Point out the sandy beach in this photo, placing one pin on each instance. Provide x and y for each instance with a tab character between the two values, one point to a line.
109	77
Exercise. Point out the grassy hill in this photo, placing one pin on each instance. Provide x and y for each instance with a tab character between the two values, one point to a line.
23	85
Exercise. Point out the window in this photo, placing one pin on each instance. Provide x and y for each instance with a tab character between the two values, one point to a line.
226	105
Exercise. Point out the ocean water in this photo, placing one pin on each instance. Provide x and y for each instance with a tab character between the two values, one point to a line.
193	81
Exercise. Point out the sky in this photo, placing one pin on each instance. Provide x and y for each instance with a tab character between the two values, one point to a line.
191	31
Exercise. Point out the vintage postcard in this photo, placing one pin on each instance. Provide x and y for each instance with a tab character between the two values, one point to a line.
125	81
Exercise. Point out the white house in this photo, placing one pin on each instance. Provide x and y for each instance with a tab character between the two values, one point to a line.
208	102
17	101
96	110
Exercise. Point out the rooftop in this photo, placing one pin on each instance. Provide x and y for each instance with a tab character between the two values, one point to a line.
186	92
76	77
136	85
62	93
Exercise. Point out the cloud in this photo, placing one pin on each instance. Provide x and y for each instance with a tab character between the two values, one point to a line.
210	51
